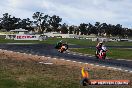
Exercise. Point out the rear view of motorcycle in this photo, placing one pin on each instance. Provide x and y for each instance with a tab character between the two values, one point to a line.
102	53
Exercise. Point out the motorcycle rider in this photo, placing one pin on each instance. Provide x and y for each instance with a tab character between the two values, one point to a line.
102	49
99	47
59	44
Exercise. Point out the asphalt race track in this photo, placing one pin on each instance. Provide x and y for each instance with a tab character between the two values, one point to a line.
48	50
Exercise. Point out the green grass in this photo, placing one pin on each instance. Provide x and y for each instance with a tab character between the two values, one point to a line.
114	53
8	83
22	74
16	74
70	41
83	42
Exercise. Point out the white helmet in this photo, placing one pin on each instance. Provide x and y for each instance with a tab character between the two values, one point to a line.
104	48
60	40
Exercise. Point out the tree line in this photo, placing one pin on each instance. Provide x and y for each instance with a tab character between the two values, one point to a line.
45	23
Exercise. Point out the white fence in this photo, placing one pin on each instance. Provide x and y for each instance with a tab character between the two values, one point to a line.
54	34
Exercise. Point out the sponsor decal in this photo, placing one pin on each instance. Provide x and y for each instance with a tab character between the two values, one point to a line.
25	36
86	81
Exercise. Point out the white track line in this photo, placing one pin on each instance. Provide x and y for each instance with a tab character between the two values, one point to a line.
85	55
82	62
130	71
55	58
124	59
86	63
110	67
128	60
48	57
97	65
74	54
119	69
74	61
30	54
68	60
62	59
114	68
81	54
91	64
79	62
48	63
103	66
90	56
126	70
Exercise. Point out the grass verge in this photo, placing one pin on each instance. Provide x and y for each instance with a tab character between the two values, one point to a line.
81	42
31	74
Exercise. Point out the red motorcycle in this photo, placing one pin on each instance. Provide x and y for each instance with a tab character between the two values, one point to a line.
102	53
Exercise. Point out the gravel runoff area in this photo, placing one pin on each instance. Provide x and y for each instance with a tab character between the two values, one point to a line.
60	62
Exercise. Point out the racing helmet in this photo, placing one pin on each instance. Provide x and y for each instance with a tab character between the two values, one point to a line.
60	41
104	48
100	43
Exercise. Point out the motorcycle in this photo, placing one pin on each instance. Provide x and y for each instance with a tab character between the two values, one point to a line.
102	53
62	47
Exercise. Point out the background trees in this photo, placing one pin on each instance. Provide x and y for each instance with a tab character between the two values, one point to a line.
64	28
46	23
83	28
25	24
38	16
71	29
43	22
8	22
54	22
